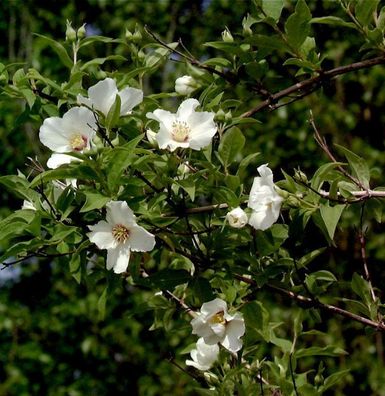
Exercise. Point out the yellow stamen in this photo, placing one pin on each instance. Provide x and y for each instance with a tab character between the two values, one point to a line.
180	131
78	142
120	233
218	318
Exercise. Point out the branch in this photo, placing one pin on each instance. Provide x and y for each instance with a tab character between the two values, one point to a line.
317	304
230	77
307	86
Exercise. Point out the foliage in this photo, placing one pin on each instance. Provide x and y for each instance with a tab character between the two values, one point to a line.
307	287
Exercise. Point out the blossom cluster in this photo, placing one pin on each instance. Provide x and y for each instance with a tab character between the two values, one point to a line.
119	233
214	325
264	202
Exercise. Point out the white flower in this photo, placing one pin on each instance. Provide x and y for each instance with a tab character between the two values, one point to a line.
185	85
73	132
186	128
264	200
203	356
102	96
214	324
237	218
119	235
58	159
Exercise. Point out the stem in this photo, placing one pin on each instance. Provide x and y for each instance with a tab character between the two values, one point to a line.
317	304
361	237
307	86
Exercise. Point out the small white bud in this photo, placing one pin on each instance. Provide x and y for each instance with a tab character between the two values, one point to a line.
237	218
150	134
185	85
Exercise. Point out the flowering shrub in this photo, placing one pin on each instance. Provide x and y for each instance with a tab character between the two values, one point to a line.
186	209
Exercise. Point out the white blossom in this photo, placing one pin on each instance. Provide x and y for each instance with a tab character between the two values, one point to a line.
215	325
264	200
203	356
185	85
186	128
72	132
102	96
28	205
119	235
58	159
237	218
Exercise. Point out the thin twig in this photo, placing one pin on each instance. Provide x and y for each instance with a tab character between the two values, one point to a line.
230	77
307	86
322	143
317	304
361	236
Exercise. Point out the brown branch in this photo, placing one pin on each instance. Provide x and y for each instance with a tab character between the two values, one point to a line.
317	304
230	77
305	87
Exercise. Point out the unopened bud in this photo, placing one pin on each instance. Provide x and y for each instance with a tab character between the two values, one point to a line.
228	116
293	201
227	37
128	36
70	33
237	218
137	36
185	85
81	31
220	115
300	176
150	134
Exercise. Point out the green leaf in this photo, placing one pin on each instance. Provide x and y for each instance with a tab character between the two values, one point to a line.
231	145
189	186
202	289
102	304
113	114
331	215
358	165
101	61
297	26
58	48
361	287
94	200
333	379
75	268
329	350
334	21
273	8
365	10
166	279
309	257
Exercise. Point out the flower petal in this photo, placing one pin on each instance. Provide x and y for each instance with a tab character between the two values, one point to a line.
130	97
235	329
186	108
118	258
101	235
57	159
103	95
164	117
141	240
211	308
118	212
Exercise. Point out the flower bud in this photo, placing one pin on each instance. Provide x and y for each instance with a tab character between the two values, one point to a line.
150	134
70	33
293	201
81	33
128	35
137	36
300	176
185	85
220	115
237	218
183	169
228	116
227	37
